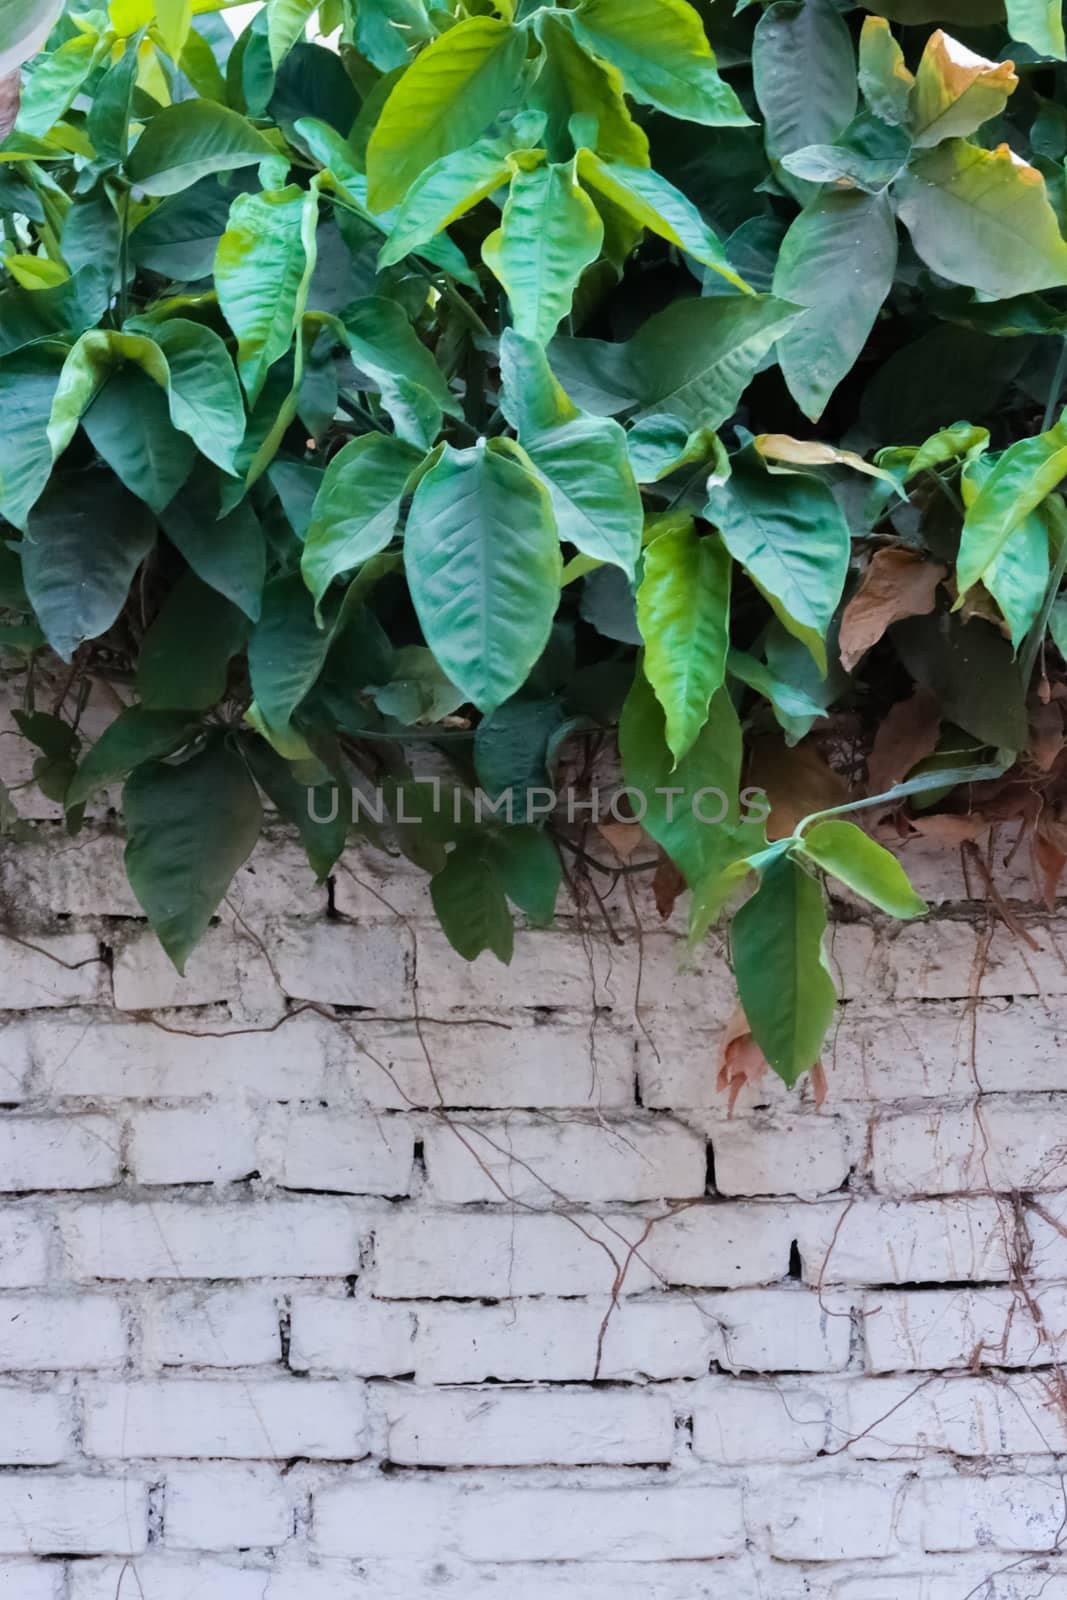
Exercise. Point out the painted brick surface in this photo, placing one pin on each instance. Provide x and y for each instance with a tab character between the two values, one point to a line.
300	1300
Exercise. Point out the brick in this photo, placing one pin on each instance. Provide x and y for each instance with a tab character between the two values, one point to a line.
932	1330
937	959
445	1254
239	1419
205	1327
178	1239
42	1333
24	1248
16	1062
92	1516
343	1153
205	1144
780	1330
374	1517
736	1422
553	968
24	1580
520	1428
833	1518
906	1418
35	1427
868	1241
559	1342
344	965
52	969
86	878
721	1245
210	1507
225	965
804	1156
998	1145
76	1054
1013	1514
58	1153
158	1579
361	1338
537	1163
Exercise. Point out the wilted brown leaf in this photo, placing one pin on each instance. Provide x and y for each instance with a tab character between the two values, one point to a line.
907	736
896	584
1050	858
944	828
741	1060
667	885
1046	734
797	782
623	837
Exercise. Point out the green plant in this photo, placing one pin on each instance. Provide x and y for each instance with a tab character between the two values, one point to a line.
507	373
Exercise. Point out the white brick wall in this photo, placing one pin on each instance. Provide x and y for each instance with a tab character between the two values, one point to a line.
315	1305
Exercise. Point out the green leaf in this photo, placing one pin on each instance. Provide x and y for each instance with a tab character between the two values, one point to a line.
446	190
444	101
186	142
135	736
583	460
853	857
86	537
969	670
54	84
483	565
1023	475
804	69
24	27
782	974
884	78
180	238
528	865
1017	577
817	268
186	654
982	217
205	396
319	813
791	537
386	29
549	233
357	508
681	800
511	748
287	22
262	272
663	53
386	347
286	651
174	18
28	382
128	424
683	608
471	905
956	91
228	553
572	83
658	205
1038	23
190	827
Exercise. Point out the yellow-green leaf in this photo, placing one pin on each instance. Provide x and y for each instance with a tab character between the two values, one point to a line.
442	193
287	22
550	232
856	860
174	18
663	53
956	91
884	78
683	611
1025	473
1038	23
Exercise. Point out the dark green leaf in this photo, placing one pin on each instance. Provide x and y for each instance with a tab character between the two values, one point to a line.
186	653
135	736
186	142
471	905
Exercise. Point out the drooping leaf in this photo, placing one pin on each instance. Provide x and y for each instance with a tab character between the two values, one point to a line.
444	101
28	381
956	91
86	537
482	558
228	553
897	584
528	866
1017	576
319	813
471	906
1038	23
817	268
357	508
128	423
664	56
286	650
583	460
205	396
782	974
136	736
1024	474
793	541
386	30
54	84
549	233
186	654
191	825
262	272
852	856
804	68
186	142
386	347
180	237
683	608
968	669
446	190
982	217
287	22
572	83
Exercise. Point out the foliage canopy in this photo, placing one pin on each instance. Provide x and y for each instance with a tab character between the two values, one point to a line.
486	376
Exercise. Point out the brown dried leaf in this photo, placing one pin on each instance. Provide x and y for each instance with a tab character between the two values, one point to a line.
896	584
797	782
1050	857
944	828
667	885
818	1083
907	736
741	1060
623	837
1046	734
